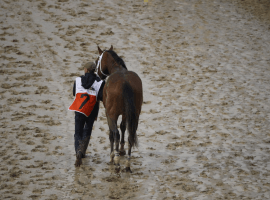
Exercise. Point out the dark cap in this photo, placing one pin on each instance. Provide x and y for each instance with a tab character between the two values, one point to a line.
90	66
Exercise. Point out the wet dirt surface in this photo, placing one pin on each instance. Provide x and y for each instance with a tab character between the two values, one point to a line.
204	127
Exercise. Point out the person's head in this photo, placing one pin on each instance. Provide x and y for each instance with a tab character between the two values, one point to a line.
89	67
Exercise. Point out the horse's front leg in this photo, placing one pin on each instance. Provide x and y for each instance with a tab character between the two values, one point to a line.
122	151
114	138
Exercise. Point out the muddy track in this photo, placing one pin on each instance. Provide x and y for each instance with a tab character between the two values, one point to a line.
204	128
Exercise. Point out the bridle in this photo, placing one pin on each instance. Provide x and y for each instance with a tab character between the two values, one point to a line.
99	63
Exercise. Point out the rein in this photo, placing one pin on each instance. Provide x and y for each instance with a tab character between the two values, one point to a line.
99	64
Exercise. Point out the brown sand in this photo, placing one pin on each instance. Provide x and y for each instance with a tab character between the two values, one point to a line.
204	127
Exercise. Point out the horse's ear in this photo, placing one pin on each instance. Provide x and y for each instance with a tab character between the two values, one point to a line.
99	50
111	48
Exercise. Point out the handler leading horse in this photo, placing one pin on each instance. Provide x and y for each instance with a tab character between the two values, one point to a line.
122	95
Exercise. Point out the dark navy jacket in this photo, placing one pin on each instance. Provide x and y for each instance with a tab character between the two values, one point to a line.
87	81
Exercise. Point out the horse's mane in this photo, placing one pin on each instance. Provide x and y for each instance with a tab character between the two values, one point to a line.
117	58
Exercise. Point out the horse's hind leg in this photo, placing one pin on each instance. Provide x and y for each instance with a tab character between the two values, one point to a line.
128	159
123	129
112	142
116	151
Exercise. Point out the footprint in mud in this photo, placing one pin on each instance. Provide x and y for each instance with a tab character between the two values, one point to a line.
8	86
45	141
97	161
162	132
21	153
147	102
49	136
34	197
19	116
24	77
21	134
15	172
30	143
187	143
112	179
46	101
37	191
42	90
50	122
40	148
23	182
25	158
17	192
102	140
153	111
16	100
188	188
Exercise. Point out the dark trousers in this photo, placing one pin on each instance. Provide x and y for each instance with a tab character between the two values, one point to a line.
83	130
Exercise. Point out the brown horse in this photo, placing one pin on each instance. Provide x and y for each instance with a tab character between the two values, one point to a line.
122	95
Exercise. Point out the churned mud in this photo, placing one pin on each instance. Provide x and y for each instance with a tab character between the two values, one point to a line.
204	127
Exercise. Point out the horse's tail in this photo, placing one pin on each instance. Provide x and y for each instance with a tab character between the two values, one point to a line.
130	112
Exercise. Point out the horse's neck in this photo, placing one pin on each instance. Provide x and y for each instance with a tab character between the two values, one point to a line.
116	69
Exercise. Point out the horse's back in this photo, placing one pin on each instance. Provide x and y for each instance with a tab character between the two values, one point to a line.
113	92
134	80
116	80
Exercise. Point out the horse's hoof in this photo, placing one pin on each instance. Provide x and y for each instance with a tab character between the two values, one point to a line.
128	170
122	152
110	163
78	161
116	165
117	169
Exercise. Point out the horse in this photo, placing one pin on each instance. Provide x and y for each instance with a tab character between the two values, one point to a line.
122	95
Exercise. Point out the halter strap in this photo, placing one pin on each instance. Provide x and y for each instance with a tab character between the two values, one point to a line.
99	64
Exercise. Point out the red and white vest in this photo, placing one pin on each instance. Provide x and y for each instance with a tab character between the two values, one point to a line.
85	99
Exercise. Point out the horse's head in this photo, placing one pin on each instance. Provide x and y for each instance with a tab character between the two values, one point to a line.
102	63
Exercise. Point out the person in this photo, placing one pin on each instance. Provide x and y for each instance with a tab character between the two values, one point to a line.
88	91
